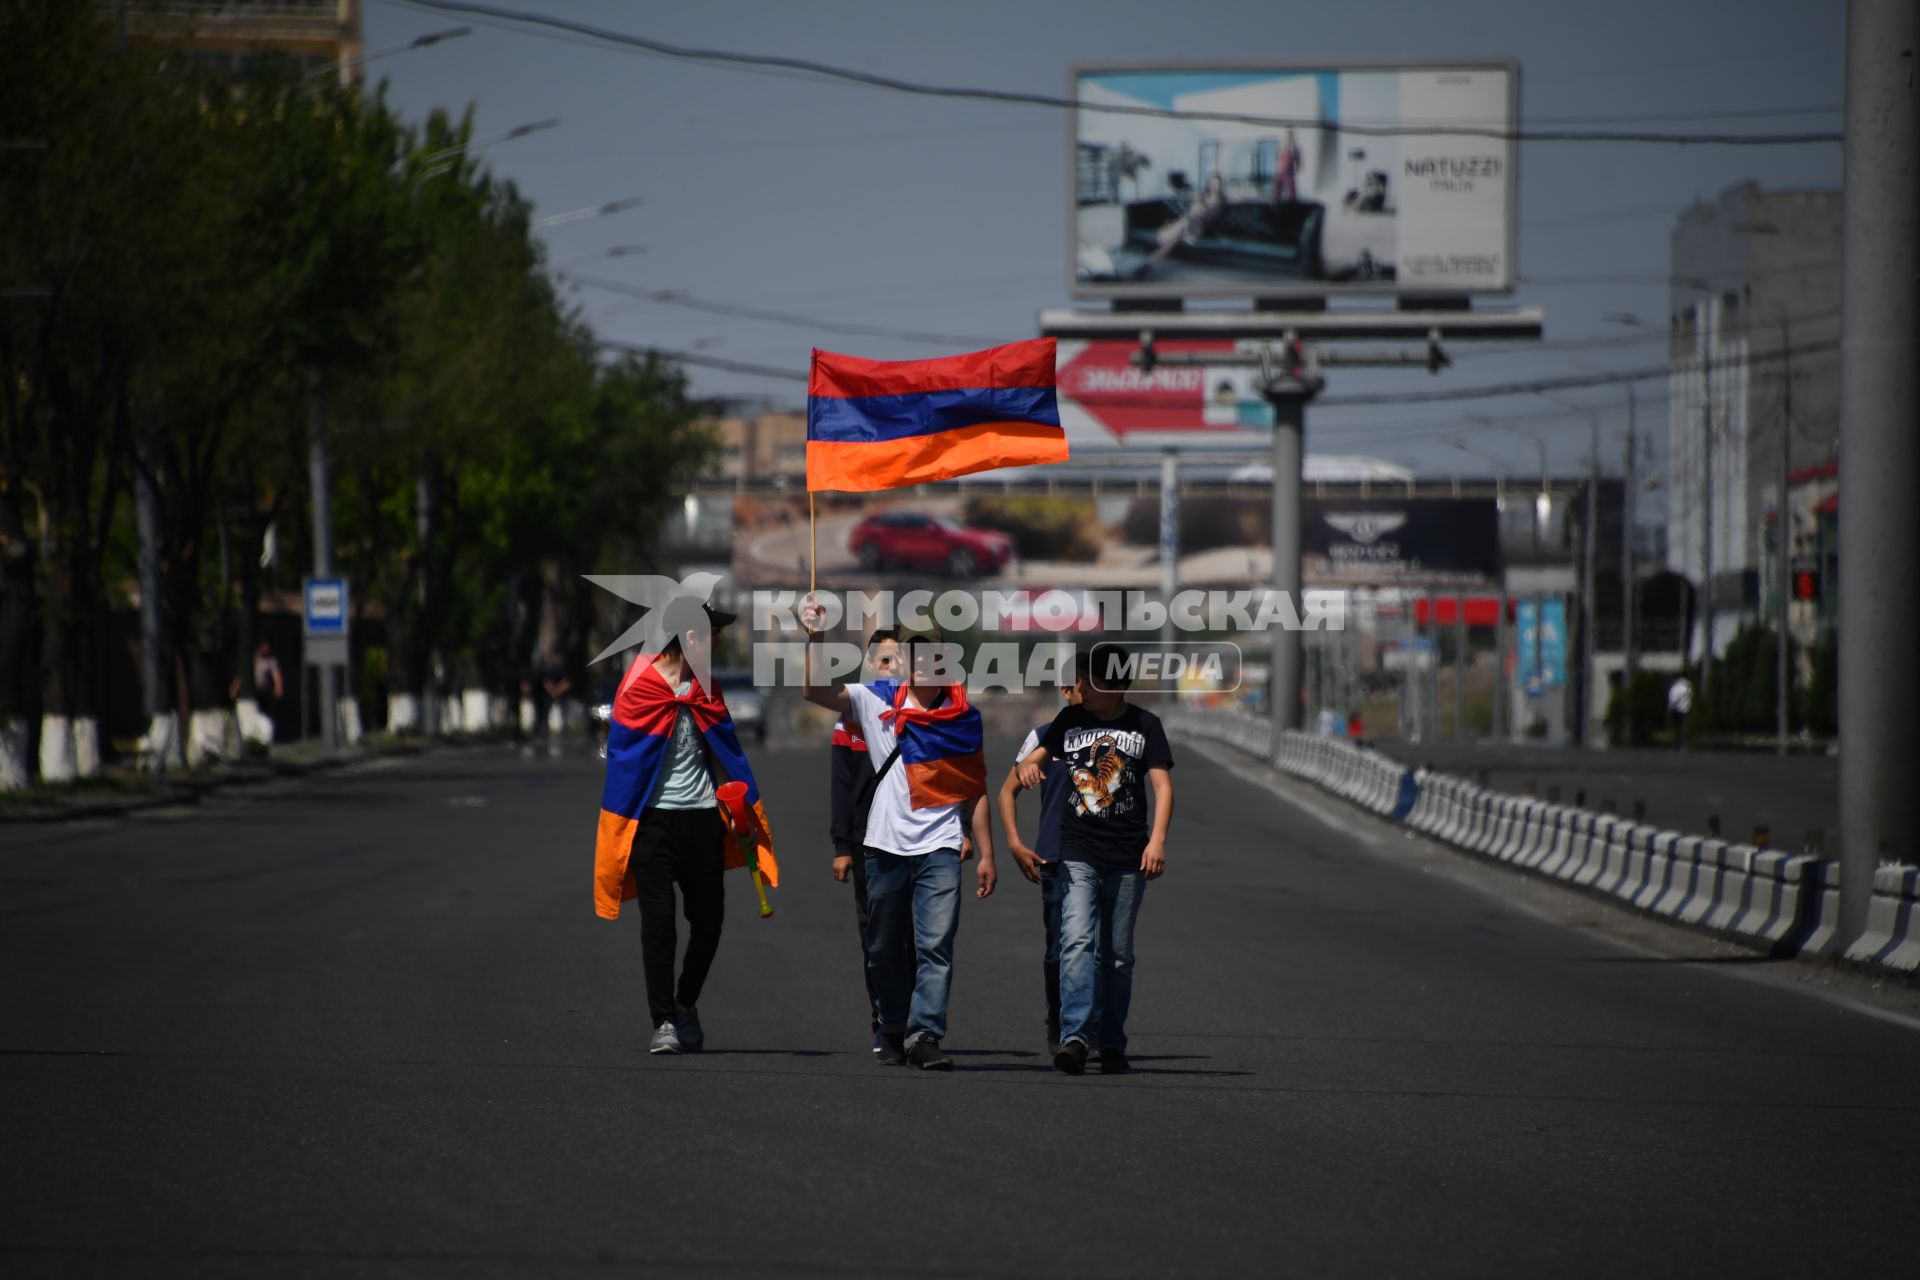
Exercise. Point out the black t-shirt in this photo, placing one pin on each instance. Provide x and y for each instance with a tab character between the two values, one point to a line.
1105	821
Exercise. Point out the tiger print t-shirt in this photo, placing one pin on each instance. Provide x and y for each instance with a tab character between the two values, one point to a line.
1105	820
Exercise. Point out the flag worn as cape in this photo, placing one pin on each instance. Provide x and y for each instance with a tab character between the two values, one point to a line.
882	424
942	749
644	711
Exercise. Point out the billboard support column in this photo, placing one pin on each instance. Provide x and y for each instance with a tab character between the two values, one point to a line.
1289	399
1169	536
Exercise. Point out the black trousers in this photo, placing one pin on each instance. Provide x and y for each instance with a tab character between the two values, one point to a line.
682	847
862	914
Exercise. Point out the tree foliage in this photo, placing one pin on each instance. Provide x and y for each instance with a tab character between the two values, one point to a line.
203	274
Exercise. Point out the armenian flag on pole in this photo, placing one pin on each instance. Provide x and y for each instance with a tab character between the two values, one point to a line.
886	424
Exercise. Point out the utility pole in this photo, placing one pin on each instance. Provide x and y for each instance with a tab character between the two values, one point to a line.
1629	517
1783	545
320	482
1589	636
1709	329
1879	450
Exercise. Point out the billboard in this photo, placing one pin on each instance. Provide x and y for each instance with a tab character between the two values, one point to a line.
1542	635
1106	400
984	536
1250	181
1400	541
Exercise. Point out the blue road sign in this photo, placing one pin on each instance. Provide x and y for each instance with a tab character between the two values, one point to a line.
326	611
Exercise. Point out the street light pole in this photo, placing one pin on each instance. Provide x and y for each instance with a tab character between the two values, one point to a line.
1783	547
1879	450
1629	521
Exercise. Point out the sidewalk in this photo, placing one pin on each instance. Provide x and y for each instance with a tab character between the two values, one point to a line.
123	788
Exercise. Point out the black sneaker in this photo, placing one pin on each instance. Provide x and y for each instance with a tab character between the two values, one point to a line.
1113	1062
1072	1058
925	1054
891	1053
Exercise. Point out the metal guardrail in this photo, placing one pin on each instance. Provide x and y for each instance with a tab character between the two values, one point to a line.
1786	904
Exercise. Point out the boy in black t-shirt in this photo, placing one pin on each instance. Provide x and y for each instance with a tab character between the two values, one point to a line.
1113	753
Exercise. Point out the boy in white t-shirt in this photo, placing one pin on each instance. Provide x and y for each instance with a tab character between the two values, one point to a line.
923	742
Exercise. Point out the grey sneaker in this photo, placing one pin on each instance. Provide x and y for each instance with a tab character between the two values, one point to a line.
665	1039
687	1023
925	1053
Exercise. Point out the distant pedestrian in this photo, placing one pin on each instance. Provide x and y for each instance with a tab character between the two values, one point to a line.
1679	706
1115	753
850	792
669	741
1040	862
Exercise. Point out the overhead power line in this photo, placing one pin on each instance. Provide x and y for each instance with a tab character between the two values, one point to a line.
873	80
1566	382
705	361
677	298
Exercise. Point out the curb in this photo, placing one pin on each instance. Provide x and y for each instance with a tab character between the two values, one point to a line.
1782	904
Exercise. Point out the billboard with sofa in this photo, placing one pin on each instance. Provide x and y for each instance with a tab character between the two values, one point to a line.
1293	181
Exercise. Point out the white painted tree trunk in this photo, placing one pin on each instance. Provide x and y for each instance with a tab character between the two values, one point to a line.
403	713
351	730
16	770
474	710
255	726
56	750
161	749
529	717
447	713
86	747
211	738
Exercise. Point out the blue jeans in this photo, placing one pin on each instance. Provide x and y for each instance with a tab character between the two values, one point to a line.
1096	953
913	912
1053	891
1053	887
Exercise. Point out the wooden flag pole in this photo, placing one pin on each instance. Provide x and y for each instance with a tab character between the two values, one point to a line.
813	574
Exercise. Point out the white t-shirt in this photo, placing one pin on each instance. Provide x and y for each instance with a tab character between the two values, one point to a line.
893	824
1028	744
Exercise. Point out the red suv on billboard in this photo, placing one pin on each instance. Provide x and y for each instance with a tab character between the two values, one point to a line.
914	539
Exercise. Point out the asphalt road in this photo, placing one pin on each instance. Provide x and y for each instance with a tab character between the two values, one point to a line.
369	1024
1795	796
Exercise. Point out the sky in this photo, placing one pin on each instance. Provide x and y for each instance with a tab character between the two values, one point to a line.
861	207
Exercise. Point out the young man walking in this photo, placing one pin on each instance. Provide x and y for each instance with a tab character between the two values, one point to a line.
1114	753
850	785
670	740
925	745
1040	862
